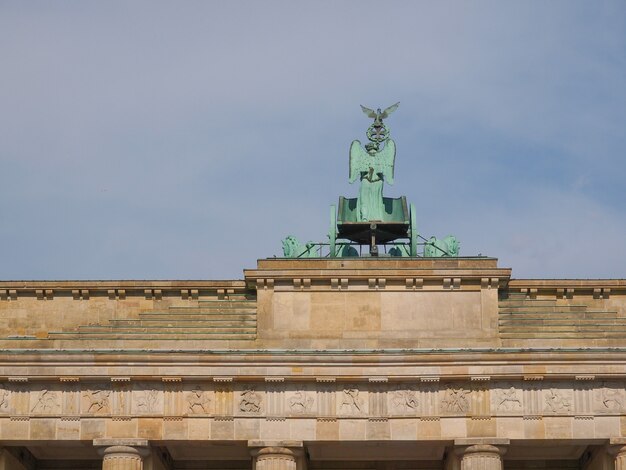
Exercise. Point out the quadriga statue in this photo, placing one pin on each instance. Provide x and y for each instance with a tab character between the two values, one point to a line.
437	248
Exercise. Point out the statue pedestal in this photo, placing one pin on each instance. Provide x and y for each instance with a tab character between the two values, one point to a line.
378	302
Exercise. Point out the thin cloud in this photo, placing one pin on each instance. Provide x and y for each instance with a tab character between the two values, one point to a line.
216	129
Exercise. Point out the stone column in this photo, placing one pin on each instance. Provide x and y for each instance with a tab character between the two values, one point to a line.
620	458
122	454
481	454
617	448
274	458
278	455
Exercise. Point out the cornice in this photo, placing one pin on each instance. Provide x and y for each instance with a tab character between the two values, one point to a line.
306	365
119	289
376	356
566	288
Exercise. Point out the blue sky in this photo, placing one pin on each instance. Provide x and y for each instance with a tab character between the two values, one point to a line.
184	140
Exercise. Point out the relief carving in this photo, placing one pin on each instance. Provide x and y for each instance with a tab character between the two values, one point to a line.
148	400
404	400
4	399
351	400
556	402
300	403
47	402
98	400
612	399
456	400
250	401
198	401
508	400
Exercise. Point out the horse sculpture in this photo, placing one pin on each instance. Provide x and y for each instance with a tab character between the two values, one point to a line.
438	248
292	248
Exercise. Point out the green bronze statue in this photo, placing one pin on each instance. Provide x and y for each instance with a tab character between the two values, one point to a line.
292	248
442	248
371	219
373	165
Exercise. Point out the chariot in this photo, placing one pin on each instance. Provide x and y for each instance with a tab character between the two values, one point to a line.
398	223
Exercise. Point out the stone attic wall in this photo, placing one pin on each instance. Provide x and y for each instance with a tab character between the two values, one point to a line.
103	314
320	304
563	313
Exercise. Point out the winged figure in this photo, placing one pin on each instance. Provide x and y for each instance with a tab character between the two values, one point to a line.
372	166
379	115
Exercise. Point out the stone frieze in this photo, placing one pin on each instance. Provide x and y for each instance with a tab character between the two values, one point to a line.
220	398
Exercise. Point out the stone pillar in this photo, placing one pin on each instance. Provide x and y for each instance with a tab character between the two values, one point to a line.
481	454
617	448
274	458
277	455
122	454
620	458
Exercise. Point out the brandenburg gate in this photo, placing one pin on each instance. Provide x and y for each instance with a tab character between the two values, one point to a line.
376	349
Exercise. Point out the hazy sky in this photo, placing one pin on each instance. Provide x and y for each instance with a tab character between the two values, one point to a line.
184	140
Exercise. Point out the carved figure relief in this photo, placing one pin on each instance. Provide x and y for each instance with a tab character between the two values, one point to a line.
46	402
404	400
4	399
300	403
351	401
250	401
612	399
98	400
456	400
556	402
147	401
607	398
198	401
508	400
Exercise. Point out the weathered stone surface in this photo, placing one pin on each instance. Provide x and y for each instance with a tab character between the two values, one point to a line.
366	359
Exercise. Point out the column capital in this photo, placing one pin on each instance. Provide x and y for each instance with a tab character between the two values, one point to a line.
482	449
130	442
486	445
284	452
481	453
275	443
124	451
276	456
286	448
473	441
122	448
617	446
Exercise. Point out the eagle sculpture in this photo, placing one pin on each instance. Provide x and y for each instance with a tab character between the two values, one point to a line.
379	115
